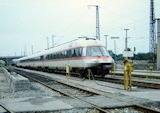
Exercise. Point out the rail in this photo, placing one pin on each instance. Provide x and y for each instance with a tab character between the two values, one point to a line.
8	111
151	76
145	84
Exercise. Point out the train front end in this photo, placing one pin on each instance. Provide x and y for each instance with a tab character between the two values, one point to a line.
100	62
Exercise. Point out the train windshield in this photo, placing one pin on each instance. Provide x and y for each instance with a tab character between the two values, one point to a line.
97	51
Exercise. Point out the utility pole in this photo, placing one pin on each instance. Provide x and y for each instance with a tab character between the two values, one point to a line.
47	42
25	50
126	40
106	41
115	38
32	49
53	40
158	44
21	52
97	22
152	38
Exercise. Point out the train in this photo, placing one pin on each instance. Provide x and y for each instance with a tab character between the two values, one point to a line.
80	54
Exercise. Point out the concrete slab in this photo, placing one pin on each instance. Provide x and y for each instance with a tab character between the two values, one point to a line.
35	104
32	104
106	102
150	95
17	82
2	110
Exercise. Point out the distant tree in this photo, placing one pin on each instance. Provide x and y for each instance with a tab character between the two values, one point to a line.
111	53
139	56
143	56
120	57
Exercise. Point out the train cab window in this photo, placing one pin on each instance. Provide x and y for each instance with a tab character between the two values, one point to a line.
97	51
104	51
93	51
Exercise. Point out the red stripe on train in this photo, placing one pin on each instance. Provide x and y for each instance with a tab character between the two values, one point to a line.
76	58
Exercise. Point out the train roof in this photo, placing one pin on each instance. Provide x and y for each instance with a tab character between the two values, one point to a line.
80	42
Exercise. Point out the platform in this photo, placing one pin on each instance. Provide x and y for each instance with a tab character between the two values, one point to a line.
16	82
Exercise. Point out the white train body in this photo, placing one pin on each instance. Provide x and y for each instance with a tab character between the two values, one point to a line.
81	54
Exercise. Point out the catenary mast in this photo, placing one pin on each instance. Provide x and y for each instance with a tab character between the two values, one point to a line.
152	40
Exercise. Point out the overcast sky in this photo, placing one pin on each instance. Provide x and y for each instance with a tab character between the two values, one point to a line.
24	23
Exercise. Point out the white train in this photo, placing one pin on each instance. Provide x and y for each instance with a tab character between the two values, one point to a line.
81	54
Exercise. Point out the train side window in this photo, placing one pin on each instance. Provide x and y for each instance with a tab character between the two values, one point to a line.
41	58
84	51
69	53
50	56
54	55
47	57
63	54
58	55
79	51
73	53
76	52
88	52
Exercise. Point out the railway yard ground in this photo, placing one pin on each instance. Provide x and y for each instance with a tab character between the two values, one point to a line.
75	95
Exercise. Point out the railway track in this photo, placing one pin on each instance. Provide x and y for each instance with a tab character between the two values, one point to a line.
37	77
150	75
139	83
5	109
101	110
